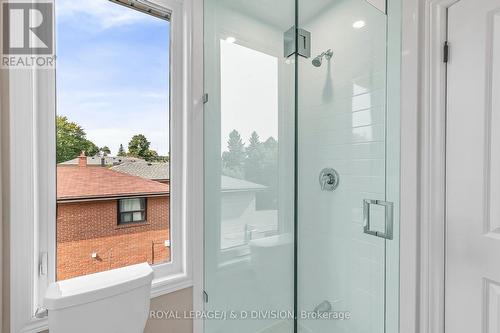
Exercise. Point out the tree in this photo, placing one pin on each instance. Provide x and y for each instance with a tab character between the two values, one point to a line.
253	161
254	143
233	160
105	151
151	156
121	151
163	159
257	163
72	140
269	176
138	146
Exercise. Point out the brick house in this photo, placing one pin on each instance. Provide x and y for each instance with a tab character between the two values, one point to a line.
107	219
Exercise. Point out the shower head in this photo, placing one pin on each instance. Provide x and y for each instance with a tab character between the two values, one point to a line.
318	61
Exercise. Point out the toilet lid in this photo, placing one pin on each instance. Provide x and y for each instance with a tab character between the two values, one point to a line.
93	287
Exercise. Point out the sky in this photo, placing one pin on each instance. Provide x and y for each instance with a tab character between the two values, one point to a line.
113	72
249	92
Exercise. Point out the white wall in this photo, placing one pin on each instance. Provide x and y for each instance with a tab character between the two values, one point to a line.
181	301
1	210
4	278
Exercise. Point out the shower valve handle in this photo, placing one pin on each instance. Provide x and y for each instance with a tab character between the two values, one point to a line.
329	179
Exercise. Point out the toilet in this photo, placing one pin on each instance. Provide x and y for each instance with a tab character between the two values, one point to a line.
272	260
115	301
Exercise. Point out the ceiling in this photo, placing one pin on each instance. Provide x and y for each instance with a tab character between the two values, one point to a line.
278	13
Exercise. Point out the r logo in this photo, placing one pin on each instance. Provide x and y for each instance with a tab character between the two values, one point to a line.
28	28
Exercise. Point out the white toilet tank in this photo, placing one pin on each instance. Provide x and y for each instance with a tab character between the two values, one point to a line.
115	301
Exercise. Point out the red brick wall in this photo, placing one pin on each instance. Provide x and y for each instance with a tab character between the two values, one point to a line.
87	227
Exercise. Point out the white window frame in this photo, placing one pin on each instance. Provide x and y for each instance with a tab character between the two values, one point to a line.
32	175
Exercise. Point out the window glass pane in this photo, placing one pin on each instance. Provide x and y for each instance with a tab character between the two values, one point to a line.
249	184
126	217
138	216
128	205
113	138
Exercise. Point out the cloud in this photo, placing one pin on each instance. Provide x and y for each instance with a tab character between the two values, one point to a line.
101	13
112	117
99	87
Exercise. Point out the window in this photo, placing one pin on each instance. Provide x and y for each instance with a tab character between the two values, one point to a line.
113	137
35	203
132	210
249	182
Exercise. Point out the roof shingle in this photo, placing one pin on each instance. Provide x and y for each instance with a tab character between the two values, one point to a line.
74	182
154	171
108	160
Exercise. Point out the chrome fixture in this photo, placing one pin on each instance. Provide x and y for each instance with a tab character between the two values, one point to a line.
328	54
297	41
41	313
389	218
249	230
323	307
329	179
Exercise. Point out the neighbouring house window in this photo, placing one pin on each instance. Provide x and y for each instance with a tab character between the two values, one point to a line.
132	210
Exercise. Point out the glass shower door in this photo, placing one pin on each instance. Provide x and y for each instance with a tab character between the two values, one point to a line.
301	166
249	166
346	202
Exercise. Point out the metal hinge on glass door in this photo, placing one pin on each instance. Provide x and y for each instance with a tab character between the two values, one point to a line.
303	38
388	217
446	52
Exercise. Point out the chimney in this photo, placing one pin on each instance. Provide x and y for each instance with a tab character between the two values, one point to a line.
82	160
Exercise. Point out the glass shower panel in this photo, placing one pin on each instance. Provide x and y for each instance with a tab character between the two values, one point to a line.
249	166
342	126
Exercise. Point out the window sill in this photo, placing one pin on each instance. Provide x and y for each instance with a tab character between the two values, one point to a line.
127	225
170	284
36	326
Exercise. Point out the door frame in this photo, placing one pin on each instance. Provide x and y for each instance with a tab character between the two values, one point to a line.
432	196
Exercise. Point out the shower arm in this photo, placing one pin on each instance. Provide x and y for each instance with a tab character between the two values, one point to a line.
328	54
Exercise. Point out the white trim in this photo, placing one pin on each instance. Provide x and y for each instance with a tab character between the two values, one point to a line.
194	12
433	169
179	153
410	102
32	165
44	162
21	195
422	165
170	284
3	120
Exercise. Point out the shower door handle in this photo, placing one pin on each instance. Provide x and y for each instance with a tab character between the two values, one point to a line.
389	218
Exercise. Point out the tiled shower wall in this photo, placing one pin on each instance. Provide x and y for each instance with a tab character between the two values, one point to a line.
342	126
